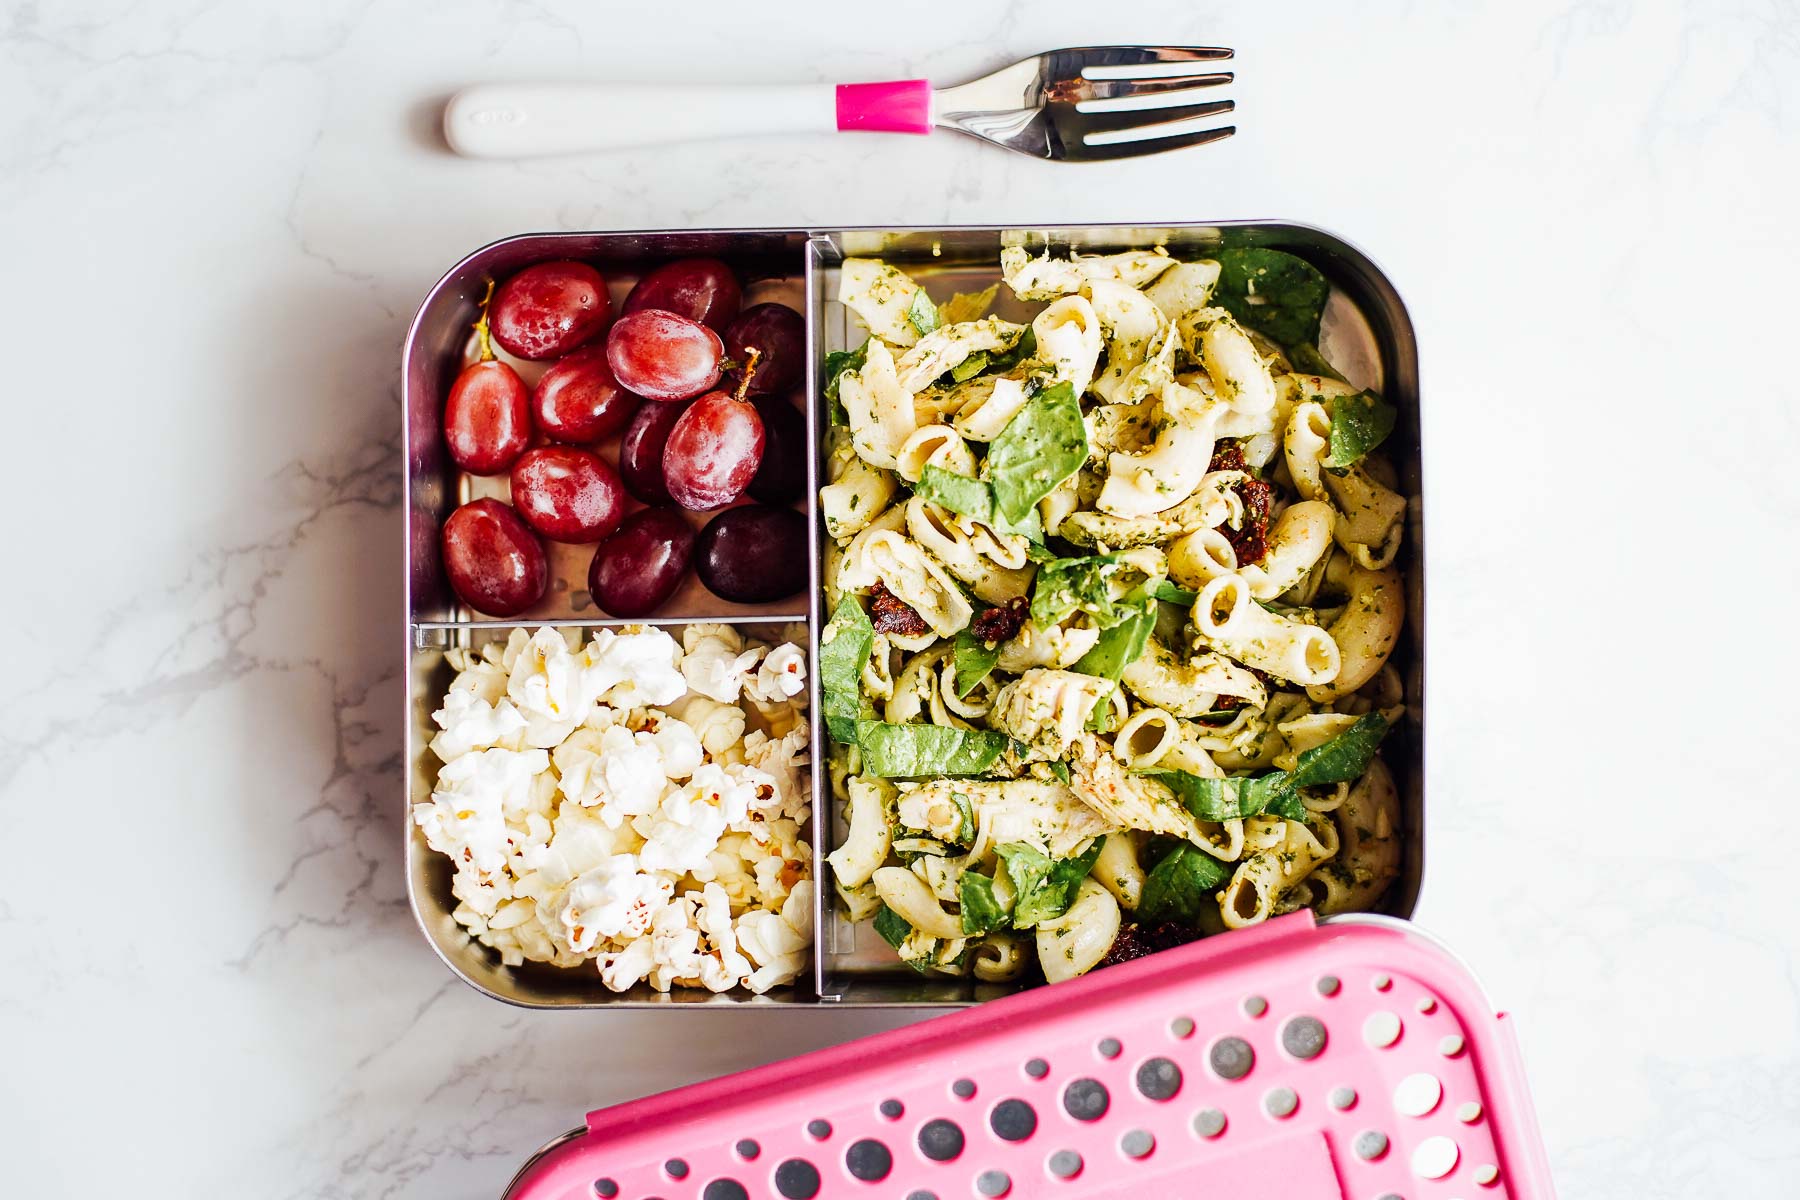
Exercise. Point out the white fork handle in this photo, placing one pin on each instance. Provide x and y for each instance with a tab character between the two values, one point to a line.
527	120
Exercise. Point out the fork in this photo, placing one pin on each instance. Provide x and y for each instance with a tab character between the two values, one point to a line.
1081	104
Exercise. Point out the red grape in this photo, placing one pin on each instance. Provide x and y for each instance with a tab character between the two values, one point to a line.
753	554
578	400
495	563
700	289
780	333
487	419
550	309
567	494
664	355
638	568
713	451
782	476
641	450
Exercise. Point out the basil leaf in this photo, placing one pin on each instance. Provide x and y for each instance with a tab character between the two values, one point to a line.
1119	646
1026	868
1060	770
1359	423
892	927
1306	359
1064	585
1273	292
1043	444
965	819
1043	887
922	313
1163	590
973	660
917	751
981	910
969	367
844	646
1345	757
1211	799
968	306
973	498
1024	348
1178	885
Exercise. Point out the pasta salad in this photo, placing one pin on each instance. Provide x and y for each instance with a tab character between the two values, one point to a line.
1112	595
636	805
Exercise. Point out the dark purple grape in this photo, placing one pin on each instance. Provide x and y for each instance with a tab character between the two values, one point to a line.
567	494
664	355
641	451
578	400
700	289
550	309
780	333
713	451
495	563
782	476
753	554
637	569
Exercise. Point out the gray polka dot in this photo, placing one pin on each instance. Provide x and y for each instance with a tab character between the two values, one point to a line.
1158	1079
1383	983
1065	1164
1137	1143
676	1168
1281	1102
1182	1027
964	1088
1086	1099
1303	1037
1209	1122
893	1110
868	1160
1231	1058
1109	1047
748	1149
1013	1120
1255	1006
921	1194
797	1179
605	1188
993	1183
1390	1196
818	1129
725	1189
1329	985
1343	1097
1037	1068
1371	1144
940	1140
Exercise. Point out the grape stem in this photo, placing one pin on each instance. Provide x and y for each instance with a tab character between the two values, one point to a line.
481	326
749	370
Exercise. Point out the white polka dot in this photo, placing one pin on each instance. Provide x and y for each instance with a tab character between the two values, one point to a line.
1487	1174
1381	1029
1451	1045
1468	1113
1427	1005
1418	1094
1434	1158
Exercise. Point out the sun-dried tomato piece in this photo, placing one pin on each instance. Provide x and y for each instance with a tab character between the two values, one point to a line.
1001	622
1135	941
1250	541
890	614
1227	456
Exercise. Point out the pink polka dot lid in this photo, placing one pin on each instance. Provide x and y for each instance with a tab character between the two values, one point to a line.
1294	1061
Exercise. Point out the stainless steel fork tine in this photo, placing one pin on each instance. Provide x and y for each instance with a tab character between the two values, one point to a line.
1083	152
1081	123
1117	89
1083	57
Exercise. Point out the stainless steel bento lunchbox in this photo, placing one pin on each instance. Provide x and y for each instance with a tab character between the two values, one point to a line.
798	267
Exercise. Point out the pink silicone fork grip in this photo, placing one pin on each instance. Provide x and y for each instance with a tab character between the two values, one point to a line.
902	106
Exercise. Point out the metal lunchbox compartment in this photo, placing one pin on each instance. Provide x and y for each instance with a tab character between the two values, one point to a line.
1366	327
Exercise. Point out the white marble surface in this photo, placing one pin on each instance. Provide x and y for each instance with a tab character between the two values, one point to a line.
217	218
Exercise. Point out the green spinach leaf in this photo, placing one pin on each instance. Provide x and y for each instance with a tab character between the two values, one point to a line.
1340	760
1060	770
1064	585
1043	887
1359	423
919	751
974	498
923	313
973	659
969	367
965	820
1163	590
844	646
1273	292
1179	884
892	927
1043	444
982	911
1119	646
1307	360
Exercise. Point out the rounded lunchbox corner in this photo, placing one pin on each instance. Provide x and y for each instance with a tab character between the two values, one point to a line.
543	1166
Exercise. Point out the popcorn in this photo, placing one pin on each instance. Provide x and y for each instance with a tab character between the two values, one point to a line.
612	804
